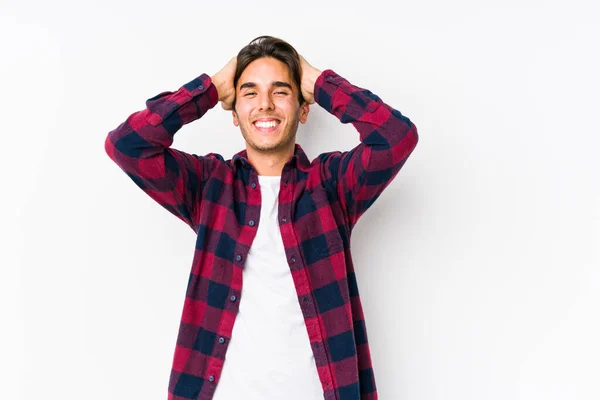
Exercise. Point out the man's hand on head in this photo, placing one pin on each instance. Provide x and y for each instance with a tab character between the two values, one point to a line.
223	80
309	77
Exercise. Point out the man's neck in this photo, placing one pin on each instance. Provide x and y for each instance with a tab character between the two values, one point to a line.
269	164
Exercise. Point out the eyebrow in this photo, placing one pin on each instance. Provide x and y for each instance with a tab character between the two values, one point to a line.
274	83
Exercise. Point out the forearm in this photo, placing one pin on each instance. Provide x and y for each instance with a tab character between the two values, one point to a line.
387	138
365	111
140	146
148	132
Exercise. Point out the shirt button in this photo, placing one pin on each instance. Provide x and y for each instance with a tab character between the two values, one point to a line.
232	298
238	257
293	260
284	219
200	87
211	378
221	340
254	186
251	223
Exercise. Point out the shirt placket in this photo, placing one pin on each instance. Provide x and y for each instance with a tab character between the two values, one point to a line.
248	233
299	274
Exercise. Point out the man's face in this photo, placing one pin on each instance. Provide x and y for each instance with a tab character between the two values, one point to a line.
266	106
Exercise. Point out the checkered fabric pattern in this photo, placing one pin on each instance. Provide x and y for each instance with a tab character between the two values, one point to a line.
319	204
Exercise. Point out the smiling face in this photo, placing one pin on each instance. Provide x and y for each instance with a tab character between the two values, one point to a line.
267	108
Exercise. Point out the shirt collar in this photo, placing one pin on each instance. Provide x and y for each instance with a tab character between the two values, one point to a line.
298	159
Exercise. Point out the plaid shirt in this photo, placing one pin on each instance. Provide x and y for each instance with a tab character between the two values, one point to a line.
319	204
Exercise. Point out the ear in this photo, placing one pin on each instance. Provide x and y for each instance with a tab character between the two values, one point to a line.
236	122
304	110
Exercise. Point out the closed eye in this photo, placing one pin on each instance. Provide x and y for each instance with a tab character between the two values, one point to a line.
253	93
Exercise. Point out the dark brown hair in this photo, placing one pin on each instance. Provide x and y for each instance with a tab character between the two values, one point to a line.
269	46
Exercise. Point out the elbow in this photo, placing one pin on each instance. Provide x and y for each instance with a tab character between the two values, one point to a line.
414	135
109	146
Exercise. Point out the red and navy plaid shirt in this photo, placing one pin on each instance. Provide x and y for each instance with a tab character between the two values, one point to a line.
319	204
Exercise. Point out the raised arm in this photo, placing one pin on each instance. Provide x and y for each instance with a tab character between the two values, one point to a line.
387	138
140	145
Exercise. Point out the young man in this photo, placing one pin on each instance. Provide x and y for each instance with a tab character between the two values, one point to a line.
272	308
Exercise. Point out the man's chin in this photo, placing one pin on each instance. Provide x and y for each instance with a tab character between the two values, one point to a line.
267	148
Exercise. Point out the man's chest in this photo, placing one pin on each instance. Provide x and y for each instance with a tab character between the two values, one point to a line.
309	220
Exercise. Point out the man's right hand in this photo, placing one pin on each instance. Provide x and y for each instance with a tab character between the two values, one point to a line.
223	80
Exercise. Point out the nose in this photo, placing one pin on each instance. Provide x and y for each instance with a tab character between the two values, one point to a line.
265	101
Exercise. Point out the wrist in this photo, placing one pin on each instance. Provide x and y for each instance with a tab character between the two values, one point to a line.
312	78
315	74
219	85
308	86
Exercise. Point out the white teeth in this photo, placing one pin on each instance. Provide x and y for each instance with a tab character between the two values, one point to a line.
270	124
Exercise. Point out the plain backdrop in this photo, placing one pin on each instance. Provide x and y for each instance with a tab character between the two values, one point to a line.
478	266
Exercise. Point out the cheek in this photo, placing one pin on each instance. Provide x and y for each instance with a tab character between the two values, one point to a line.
243	112
240	117
288	108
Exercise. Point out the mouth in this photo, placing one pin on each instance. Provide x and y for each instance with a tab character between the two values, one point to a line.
266	125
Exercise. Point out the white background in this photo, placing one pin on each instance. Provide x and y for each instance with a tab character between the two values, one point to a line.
478	266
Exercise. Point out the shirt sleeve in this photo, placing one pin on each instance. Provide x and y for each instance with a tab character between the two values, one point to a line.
387	138
140	146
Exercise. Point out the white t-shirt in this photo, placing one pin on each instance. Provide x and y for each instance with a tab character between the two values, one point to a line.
269	354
